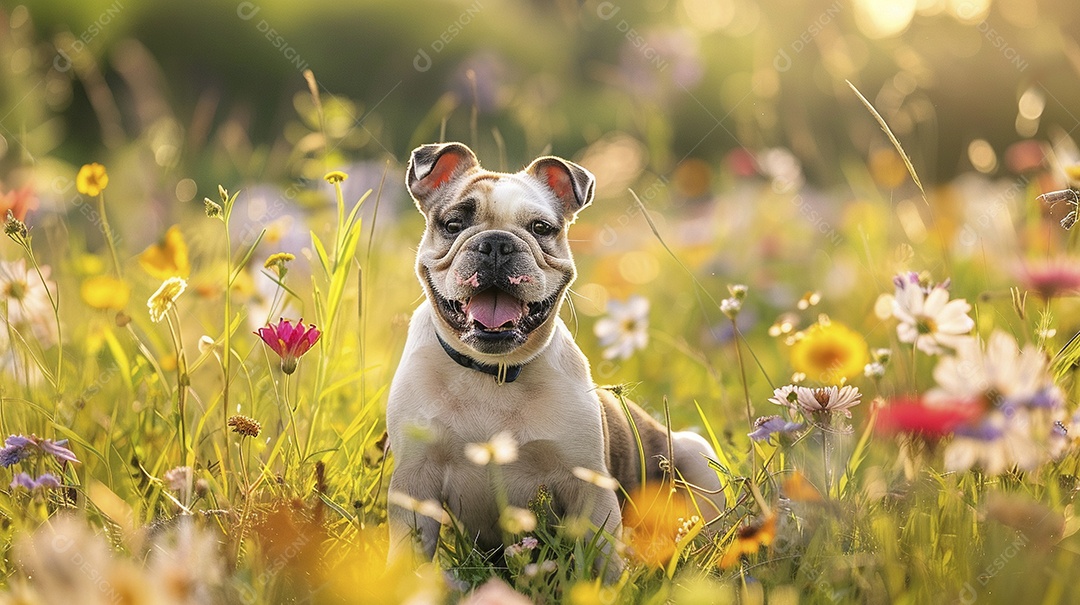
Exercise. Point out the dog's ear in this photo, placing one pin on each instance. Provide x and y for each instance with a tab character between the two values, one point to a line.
432	166
572	185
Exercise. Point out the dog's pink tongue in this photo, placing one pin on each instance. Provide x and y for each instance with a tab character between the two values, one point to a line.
493	308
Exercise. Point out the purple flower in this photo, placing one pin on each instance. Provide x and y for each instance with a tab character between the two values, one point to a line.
767	426
58	449
18	448
45	481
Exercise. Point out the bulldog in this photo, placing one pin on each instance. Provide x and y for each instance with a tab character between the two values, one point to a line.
488	355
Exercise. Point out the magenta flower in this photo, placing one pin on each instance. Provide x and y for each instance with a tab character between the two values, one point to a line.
289	342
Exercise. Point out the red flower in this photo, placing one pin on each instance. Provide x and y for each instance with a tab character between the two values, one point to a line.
19	202
289	342
912	416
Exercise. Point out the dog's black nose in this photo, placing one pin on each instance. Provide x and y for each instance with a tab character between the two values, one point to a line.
497	244
497	247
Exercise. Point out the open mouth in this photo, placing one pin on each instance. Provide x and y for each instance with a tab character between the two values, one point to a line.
493	315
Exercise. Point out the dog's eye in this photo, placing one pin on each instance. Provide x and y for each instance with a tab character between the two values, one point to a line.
452	226
541	228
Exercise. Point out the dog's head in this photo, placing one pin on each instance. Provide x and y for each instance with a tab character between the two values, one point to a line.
494	260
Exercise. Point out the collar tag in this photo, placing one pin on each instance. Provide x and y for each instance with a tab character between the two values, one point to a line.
502	373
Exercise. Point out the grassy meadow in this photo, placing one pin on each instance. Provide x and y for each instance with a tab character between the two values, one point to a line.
201	326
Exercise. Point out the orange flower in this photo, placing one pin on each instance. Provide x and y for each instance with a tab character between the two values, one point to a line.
92	179
168	258
749	539
652	520
19	202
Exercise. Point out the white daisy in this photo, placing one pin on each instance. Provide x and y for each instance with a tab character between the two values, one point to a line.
501	449
999	442
26	301
828	399
927	317
1021	426
625	329
785	396
1003	375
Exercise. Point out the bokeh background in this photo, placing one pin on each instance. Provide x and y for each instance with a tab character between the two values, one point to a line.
752	160
731	119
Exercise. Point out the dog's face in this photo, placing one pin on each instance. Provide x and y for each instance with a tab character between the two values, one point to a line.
494	260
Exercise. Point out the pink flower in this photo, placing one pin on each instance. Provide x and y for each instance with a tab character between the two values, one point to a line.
288	341
1051	278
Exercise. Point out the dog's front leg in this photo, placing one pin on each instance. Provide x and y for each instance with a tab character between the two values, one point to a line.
413	513
601	507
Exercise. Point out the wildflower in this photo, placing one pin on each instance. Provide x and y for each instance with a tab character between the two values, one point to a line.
213	209
625	329
15	229
278	262
1051	278
501	449
18	202
1017	399
244	425
738	291
797	488
767	426
18	448
167	258
590	476
927	317
1002	375
749	539
914	417
730	307
178	479
517	520
427	508
785	396
27	297
531	570
335	176
651	519
829	352
997	443
105	292
45	481
828	399
874	370
527	543
92	179
288	341
808	300
161	301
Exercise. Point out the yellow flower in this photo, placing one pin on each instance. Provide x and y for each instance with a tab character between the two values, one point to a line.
105	292
1073	172
92	179
278	262
592	593
168	258
165	297
335	176
651	523
749	539
829	352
